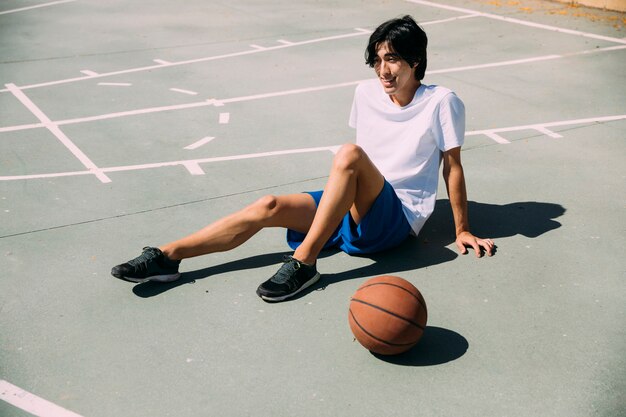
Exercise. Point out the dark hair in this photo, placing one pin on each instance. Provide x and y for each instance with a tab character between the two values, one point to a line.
406	38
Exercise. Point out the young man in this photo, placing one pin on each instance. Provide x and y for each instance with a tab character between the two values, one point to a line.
379	190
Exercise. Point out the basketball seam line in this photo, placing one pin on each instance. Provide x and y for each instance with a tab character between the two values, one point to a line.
388	312
393	285
377	338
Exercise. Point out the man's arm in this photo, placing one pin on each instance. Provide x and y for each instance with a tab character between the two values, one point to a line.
455	184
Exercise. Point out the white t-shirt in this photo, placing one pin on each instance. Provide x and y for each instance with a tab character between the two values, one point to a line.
405	143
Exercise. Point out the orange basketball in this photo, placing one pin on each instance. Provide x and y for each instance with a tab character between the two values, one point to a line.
387	315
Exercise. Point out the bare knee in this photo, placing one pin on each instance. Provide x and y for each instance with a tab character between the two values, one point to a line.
348	156
264	208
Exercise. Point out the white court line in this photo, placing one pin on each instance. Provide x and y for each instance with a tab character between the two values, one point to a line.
178	90
89	73
284	42
492	135
21	9
190	164
221	102
548	132
54	129
258	47
194	61
194	168
161	61
224	118
148	110
451	19
542	127
519	21
165	64
31	403
295	91
199	143
116	84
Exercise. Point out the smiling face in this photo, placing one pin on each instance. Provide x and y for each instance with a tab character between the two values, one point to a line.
395	74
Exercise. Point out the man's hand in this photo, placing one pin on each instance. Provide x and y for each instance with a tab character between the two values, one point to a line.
466	239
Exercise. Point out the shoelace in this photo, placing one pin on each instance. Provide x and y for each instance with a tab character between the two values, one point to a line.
290	265
142	260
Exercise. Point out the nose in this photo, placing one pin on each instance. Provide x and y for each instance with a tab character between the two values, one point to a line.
383	68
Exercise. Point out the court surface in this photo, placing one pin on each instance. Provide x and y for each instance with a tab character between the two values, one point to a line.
127	124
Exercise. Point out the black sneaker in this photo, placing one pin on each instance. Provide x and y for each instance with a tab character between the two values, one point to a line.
151	265
292	277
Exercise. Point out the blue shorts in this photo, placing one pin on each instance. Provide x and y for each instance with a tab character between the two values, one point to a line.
383	227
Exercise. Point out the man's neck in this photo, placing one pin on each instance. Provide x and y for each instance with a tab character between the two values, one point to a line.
406	96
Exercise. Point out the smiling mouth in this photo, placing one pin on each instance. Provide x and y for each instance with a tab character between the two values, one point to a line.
388	82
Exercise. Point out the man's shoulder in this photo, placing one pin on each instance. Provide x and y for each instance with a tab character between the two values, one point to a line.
437	91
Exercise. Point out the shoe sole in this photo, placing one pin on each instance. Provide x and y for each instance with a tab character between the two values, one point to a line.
155	278
306	285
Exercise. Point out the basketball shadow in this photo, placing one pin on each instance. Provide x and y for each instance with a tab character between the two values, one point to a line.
437	346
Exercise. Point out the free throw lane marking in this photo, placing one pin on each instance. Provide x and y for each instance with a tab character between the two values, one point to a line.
31	403
54	129
199	143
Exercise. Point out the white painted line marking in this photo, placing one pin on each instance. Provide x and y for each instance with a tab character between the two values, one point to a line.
161	61
54	129
548	132
21	9
191	162
135	112
221	102
519	21
194	168
89	73
334	149
289	92
258	47
199	143
21	127
490	134
31	403
224	118
178	90
116	84
362	30
451	19
193	61
496	64
284	42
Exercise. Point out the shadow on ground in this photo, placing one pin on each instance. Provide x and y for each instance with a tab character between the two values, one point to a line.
437	346
528	218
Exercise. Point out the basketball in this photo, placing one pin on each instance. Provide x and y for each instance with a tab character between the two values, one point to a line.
387	315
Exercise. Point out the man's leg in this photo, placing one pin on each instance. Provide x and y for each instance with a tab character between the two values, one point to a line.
295	211
353	185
